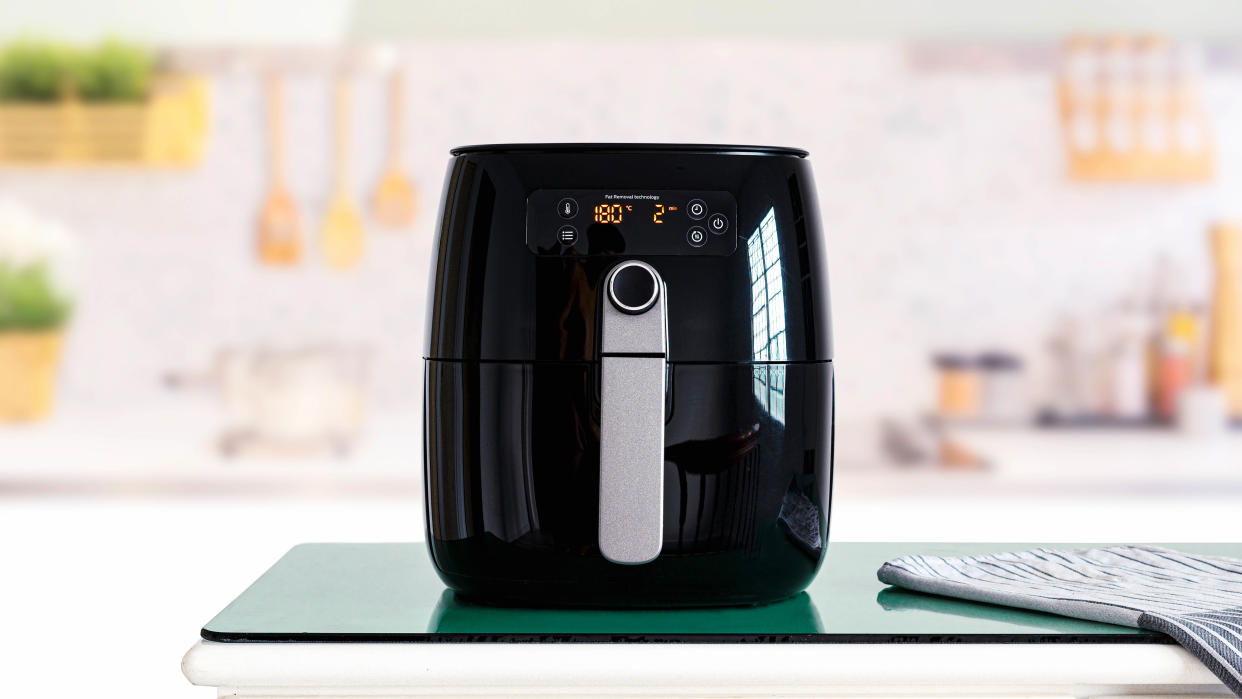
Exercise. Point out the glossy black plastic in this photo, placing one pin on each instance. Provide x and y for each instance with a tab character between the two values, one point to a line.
491	298
513	483
512	385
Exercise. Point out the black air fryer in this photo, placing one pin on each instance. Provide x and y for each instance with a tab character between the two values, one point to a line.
628	376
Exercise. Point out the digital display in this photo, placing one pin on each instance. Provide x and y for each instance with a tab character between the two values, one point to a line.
616	213
646	222
610	213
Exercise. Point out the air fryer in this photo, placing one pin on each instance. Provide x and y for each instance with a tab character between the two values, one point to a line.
629	380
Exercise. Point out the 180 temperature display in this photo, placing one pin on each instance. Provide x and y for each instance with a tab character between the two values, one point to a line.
615	213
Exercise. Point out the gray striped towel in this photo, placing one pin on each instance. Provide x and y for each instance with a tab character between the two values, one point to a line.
1195	599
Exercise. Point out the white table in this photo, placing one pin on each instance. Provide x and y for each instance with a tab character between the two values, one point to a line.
284	670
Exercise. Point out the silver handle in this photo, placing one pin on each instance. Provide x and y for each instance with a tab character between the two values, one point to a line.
633	359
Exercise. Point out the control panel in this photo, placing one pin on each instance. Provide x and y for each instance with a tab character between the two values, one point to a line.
578	222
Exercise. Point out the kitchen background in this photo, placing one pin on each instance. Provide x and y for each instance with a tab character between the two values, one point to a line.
1034	224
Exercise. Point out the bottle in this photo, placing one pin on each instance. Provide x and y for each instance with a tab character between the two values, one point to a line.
1190	130
1080	84
1003	394
1225	348
1151	108
958	396
1126	366
1179	359
1118	96
1176	343
1172	375
1068	397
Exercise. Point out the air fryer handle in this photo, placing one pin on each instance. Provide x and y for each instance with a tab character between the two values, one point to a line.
633	360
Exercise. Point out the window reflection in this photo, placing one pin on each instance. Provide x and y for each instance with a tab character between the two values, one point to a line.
768	316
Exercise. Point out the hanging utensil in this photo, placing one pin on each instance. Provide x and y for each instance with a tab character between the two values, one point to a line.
342	235
279	236
394	200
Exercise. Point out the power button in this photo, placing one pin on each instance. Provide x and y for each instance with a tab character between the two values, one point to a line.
696	236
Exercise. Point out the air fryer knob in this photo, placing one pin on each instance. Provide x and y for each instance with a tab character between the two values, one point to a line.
633	288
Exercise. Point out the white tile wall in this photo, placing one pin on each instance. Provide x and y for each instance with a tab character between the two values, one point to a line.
949	219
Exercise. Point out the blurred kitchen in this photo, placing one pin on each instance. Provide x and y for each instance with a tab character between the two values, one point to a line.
216	222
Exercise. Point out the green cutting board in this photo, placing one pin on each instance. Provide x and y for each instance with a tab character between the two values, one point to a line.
390	593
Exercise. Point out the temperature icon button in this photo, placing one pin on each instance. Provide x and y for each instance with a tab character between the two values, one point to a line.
567	207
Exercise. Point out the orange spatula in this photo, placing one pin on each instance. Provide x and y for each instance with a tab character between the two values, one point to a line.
342	237
279	235
394	200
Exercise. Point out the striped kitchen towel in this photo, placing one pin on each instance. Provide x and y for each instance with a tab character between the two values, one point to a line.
1195	599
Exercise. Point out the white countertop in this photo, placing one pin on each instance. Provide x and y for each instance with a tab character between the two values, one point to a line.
173	451
460	669
1099	462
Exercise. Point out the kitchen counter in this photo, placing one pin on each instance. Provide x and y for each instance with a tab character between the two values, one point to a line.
1052	462
373	620
174	452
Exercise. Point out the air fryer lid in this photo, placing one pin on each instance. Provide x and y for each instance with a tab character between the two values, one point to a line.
529	234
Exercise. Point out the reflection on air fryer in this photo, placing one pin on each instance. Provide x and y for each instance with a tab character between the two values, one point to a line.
483	623
768	316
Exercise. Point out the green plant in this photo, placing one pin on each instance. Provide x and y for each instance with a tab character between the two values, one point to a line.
35	70
114	71
29	299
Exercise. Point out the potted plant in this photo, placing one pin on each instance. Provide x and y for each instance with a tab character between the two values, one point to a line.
104	104
35	305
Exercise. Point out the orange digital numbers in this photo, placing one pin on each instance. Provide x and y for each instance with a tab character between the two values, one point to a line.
608	213
658	216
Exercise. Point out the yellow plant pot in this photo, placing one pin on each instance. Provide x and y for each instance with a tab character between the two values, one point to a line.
28	364
168	129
